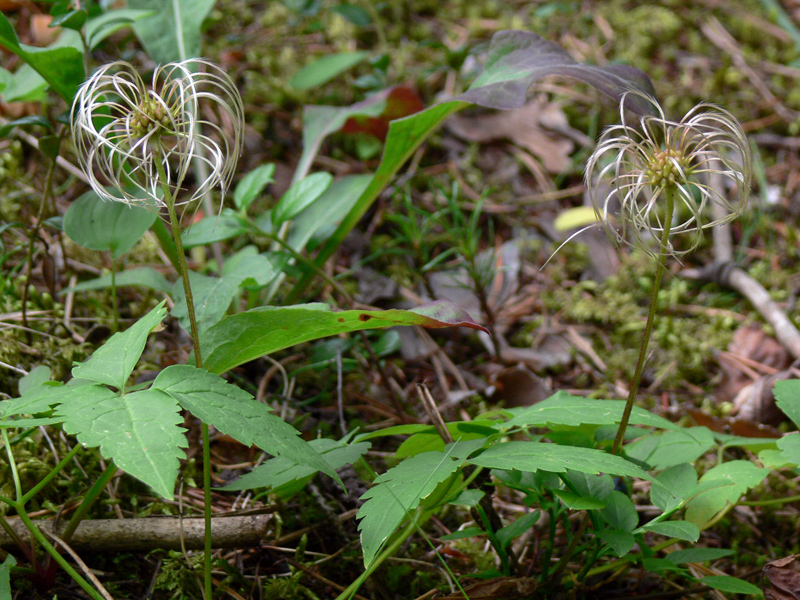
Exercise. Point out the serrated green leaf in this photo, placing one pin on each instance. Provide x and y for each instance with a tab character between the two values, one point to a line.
107	226
621	542
683	530
277	472
245	336
139	431
565	409
396	493
235	412
144	276
672	447
741	474
5	577
787	397
532	456
252	184
695	555
732	585
678	481
113	363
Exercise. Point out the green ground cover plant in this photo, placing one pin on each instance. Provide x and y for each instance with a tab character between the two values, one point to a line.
149	148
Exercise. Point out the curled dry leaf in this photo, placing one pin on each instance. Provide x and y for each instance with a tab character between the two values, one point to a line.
784	578
539	127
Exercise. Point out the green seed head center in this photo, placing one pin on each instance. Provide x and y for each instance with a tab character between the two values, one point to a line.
150	115
668	167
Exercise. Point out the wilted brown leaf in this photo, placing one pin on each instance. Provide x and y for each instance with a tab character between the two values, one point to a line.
784	578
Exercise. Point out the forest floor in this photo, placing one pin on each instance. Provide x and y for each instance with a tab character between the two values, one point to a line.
570	319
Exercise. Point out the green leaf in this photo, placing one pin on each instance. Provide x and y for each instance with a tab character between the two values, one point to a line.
565	409
740	474
517	528
463	533
34	400
672	448
252	184
39	375
683	530
5	577
578	502
217	228
320	219
139	431
396	493
677	482
620	512
590	487
144	276
732	585
515	60
24	85
325	68
430	440
621	542
278	472
113	363
24	121
660	565
532	456
111	226
173	32
213	295
61	67
299	196
696	555
787	397
468	497
100	27
235	412
790	448
243	337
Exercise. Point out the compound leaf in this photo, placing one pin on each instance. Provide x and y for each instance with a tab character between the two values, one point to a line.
114	361
139	431
396	493
236	413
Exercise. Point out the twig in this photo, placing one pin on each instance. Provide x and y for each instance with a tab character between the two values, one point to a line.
148	533
730	275
86	570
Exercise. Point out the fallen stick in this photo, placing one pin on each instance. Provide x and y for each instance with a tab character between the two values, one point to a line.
149	533
730	275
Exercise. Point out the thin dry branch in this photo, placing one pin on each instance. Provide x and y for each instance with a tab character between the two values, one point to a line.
148	533
730	275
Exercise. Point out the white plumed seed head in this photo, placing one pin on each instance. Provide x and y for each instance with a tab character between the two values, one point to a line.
122	130
631	168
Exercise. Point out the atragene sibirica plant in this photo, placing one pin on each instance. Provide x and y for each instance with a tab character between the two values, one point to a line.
650	185
140	141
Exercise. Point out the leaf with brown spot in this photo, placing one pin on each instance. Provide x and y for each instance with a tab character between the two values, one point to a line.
243	337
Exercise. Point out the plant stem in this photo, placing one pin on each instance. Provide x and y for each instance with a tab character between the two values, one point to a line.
187	289
88	501
669	198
